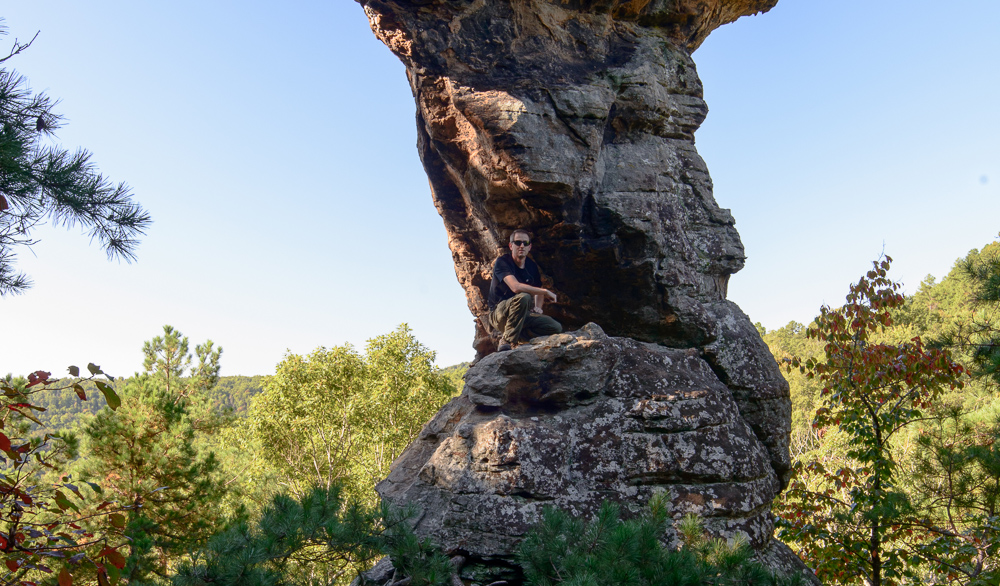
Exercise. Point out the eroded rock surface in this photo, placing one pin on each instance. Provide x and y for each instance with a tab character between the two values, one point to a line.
575	119
574	419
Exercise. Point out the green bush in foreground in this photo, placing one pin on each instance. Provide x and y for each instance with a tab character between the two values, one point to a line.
320	539
316	539
608	551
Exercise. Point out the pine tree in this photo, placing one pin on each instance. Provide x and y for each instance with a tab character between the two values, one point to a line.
982	335
148	455
609	551
168	360
317	539
40	181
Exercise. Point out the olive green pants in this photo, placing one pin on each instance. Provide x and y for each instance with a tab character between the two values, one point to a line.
513	318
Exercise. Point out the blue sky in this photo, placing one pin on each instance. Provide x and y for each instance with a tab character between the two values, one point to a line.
274	145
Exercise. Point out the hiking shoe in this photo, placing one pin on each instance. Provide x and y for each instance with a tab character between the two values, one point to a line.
503	347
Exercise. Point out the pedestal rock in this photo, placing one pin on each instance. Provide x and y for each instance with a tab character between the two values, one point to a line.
575	120
574	419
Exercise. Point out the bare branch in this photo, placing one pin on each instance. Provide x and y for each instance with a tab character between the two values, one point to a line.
18	47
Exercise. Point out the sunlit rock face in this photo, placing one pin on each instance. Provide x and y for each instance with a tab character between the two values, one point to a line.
576	121
571	420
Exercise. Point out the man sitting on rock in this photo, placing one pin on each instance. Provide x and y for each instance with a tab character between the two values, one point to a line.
516	295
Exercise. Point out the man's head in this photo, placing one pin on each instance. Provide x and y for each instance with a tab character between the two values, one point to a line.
520	245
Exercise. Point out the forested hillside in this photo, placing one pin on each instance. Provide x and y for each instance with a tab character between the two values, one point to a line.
232	394
938	311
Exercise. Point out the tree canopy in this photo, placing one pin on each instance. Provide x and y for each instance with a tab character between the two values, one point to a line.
338	416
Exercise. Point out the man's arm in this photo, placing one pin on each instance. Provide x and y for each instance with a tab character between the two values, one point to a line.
517	287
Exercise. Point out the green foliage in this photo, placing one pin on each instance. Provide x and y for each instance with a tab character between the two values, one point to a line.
608	551
233	394
786	343
167	360
148	454
40	182
39	531
318	539
956	483
64	411
456	374
337	416
979	336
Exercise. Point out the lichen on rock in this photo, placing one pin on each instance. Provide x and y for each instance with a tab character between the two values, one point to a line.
571	420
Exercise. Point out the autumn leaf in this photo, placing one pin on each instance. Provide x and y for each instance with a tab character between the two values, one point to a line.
117	560
38	377
65	579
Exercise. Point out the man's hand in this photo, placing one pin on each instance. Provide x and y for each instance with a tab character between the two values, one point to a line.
550	295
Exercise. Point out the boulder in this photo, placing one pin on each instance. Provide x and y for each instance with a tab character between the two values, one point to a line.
571	420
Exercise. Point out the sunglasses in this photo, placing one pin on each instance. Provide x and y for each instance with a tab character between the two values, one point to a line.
521	243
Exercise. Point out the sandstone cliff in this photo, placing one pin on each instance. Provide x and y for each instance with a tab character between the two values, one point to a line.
575	119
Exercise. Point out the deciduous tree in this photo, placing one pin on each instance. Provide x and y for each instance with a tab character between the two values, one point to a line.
337	416
856	521
51	528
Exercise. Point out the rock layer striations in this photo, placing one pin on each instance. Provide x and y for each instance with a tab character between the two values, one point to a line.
576	120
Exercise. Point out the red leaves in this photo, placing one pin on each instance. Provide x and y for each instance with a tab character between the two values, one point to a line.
871	390
38	377
114	558
65	579
53	536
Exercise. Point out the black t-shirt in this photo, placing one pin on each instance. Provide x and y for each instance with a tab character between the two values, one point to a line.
504	266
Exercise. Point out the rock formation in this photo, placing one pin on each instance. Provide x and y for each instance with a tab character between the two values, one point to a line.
570	420
575	119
